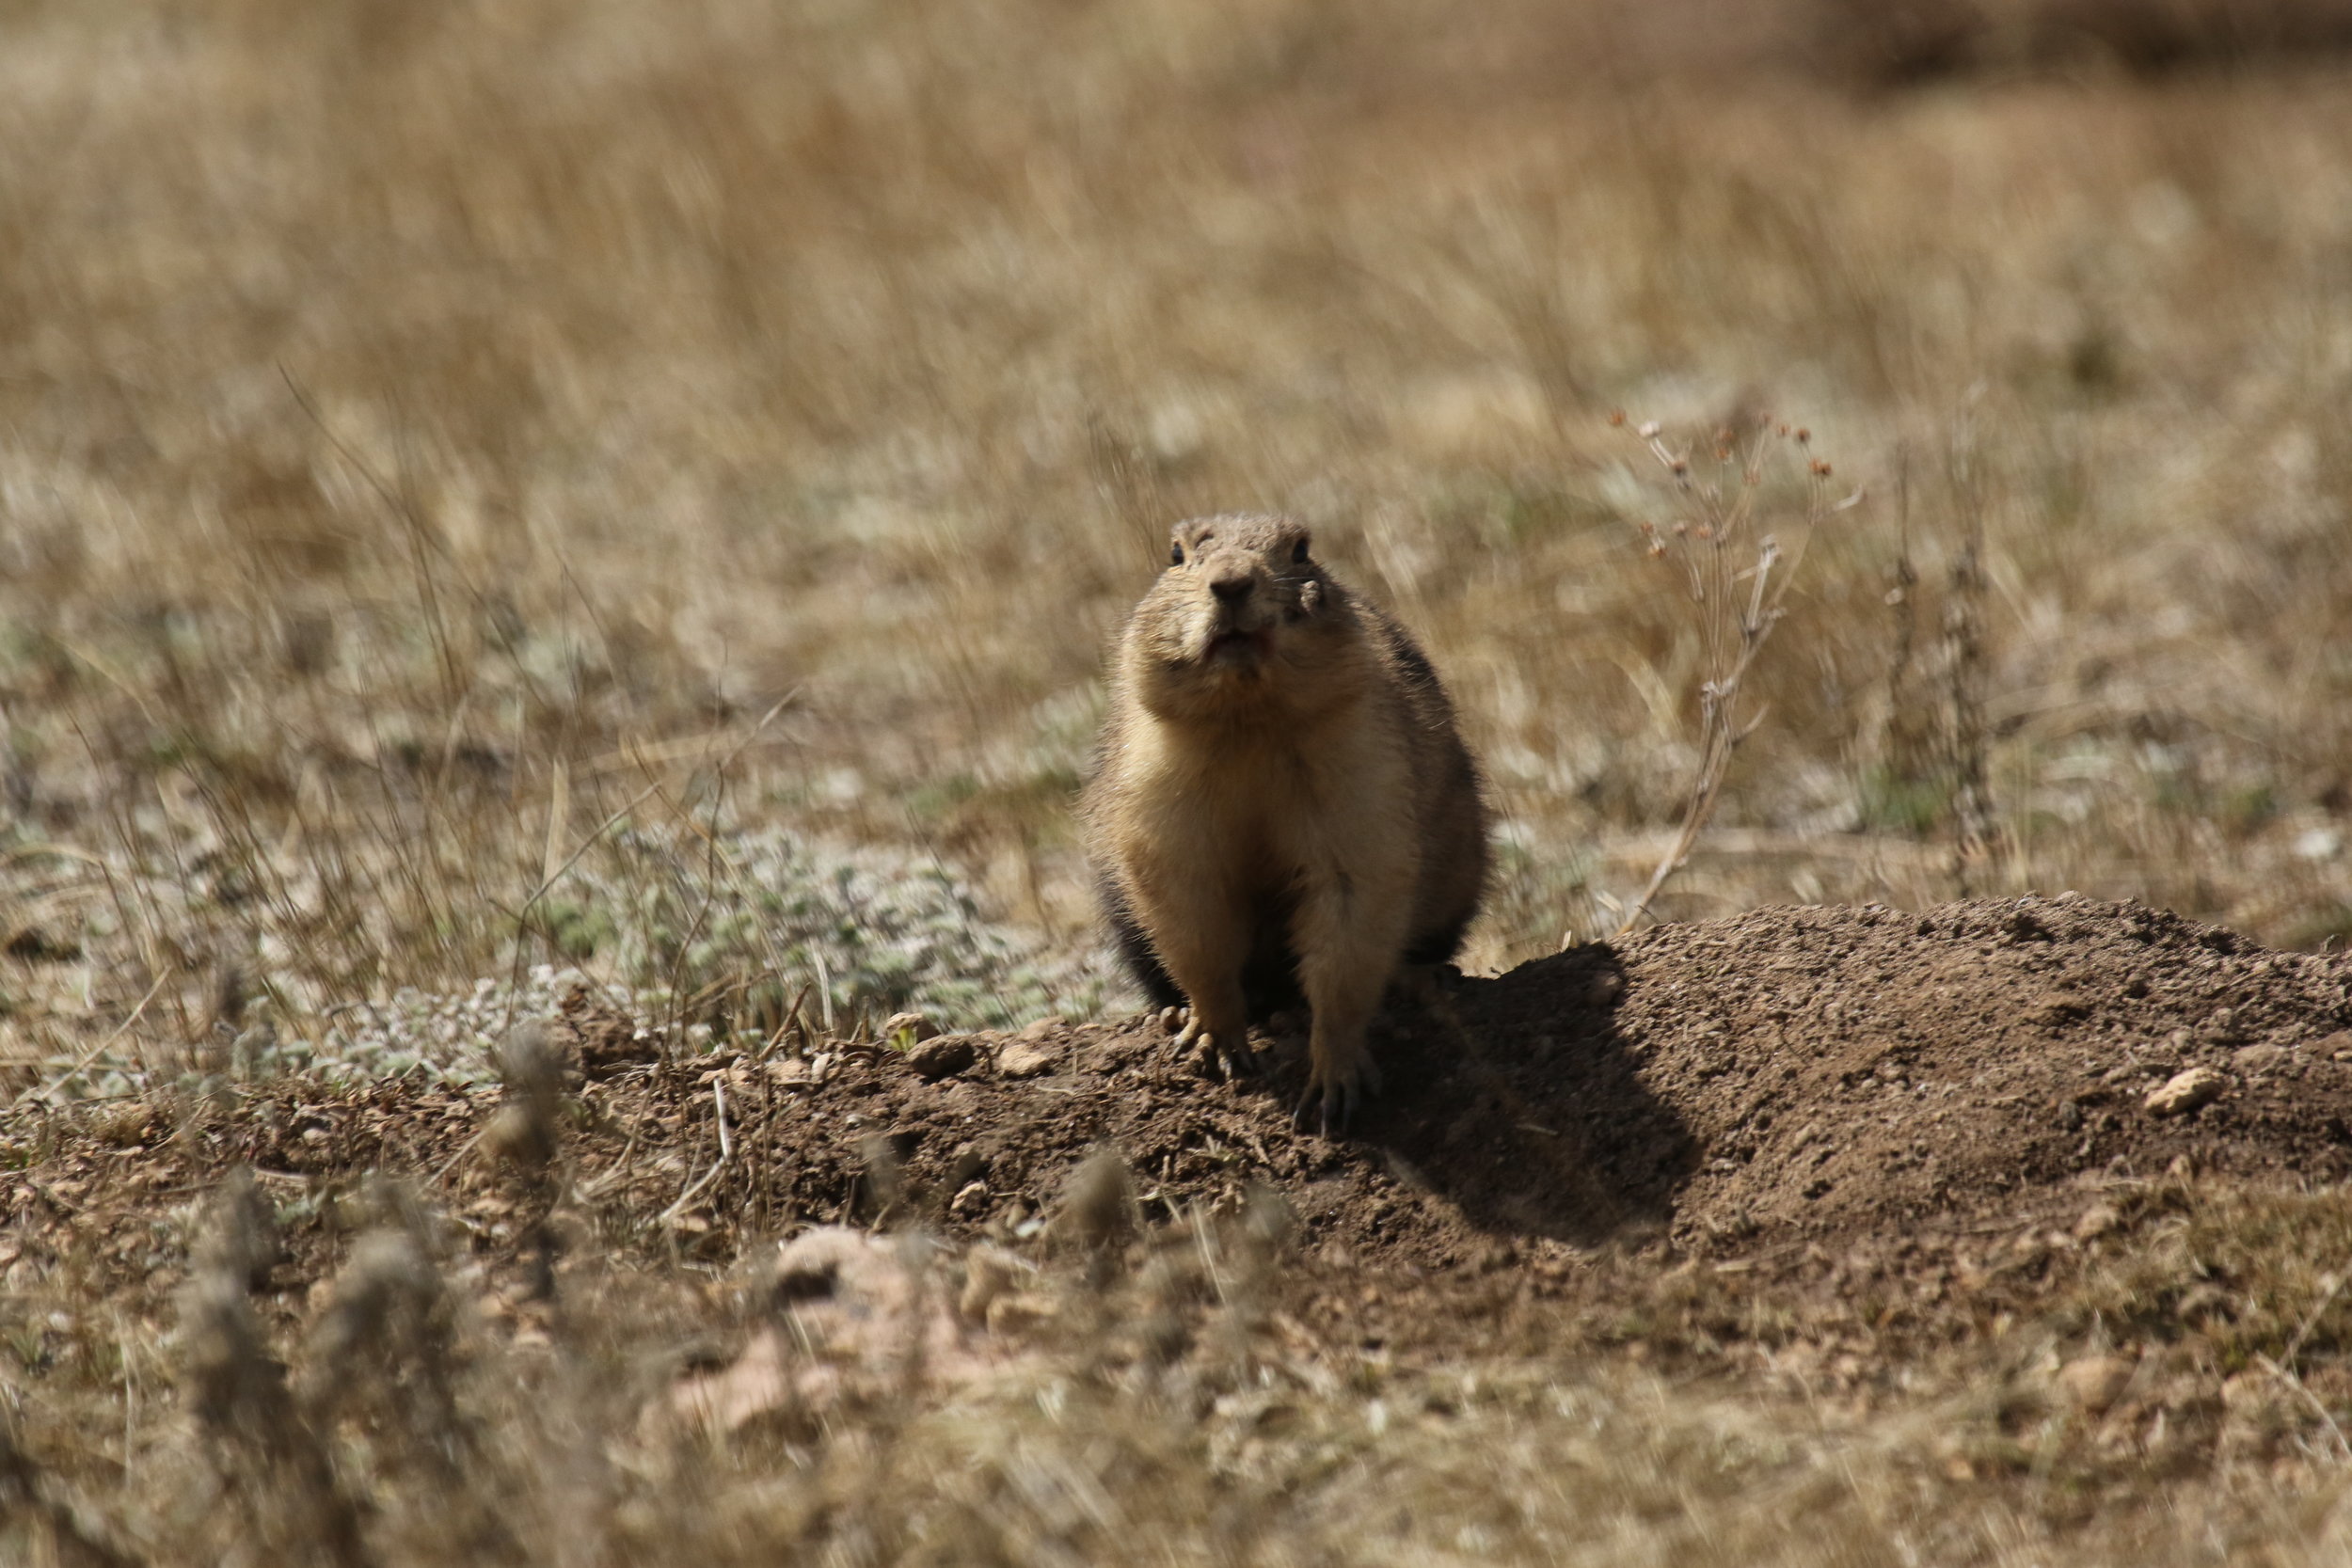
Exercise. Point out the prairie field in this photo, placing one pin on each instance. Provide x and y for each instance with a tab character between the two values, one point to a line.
533	529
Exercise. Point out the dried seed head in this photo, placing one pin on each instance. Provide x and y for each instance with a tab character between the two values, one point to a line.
1098	1207
526	1061
1267	1225
883	1187
1170	1284
239	1241
237	1390
524	1131
229	996
519	1136
232	1380
26	1493
387	1289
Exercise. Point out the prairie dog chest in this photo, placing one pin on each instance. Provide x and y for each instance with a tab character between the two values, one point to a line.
1267	804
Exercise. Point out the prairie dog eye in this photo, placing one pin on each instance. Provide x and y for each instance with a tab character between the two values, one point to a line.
1176	555
1299	553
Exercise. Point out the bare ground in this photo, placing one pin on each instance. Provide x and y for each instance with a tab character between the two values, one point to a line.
1789	1077
1849	1165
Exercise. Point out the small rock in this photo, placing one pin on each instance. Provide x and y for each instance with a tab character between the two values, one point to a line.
988	1274
2185	1092
864	1305
2059	1007
791	1072
914	1025
1021	1312
1044	1028
2257	1058
942	1056
1171	1019
1026	1059
2096	1381
969	1199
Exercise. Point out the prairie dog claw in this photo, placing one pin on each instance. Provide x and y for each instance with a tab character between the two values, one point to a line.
1335	1094
1218	1052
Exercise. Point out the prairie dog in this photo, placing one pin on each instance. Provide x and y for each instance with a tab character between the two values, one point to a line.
1281	805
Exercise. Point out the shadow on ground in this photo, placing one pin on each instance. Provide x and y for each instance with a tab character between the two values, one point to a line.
1517	1101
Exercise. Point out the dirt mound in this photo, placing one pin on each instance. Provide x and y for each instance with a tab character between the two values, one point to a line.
1789	1073
1835	1065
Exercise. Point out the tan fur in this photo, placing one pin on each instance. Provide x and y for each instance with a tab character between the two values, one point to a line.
1279	770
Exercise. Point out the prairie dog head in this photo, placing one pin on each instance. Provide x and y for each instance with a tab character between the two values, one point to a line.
1242	615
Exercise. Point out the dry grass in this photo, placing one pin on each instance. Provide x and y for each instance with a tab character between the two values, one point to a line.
498	485
1186	1394
401	409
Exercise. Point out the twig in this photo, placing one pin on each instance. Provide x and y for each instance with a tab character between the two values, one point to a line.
57	851
2286	1376
2310	1320
1738	605
602	827
727	1147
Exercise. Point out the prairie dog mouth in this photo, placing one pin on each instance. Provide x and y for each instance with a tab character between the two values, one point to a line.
1233	645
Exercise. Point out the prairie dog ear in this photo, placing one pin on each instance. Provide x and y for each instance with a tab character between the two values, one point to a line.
1310	597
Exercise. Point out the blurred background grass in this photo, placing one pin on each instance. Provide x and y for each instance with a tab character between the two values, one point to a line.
438	439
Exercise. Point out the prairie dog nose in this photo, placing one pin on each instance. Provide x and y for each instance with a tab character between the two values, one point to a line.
1233	588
